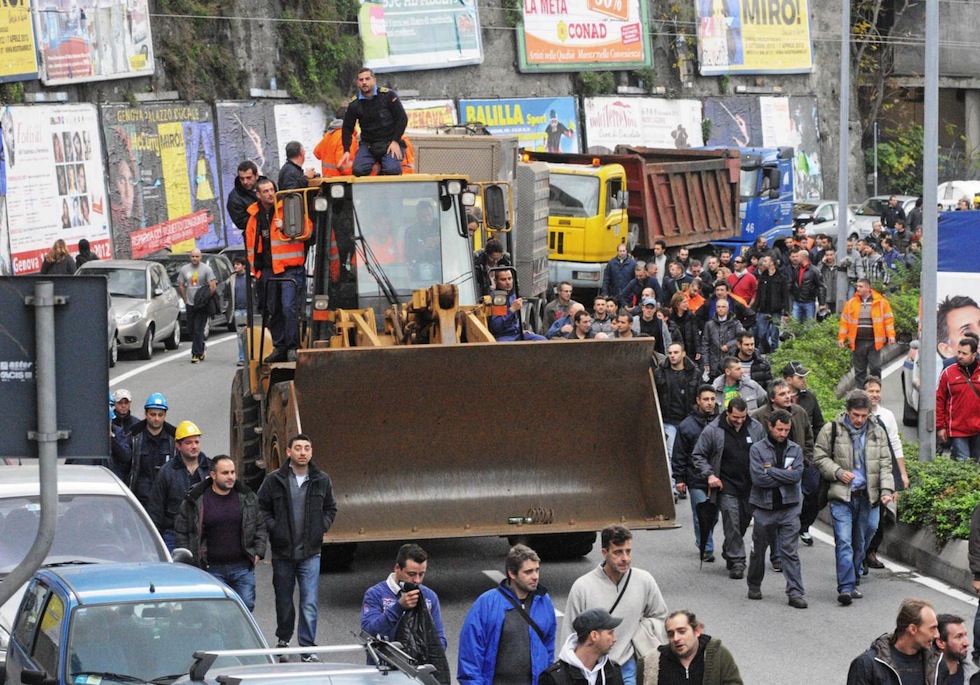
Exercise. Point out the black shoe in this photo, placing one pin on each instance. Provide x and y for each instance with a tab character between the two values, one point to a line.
708	558
755	593
798	603
737	572
282	644
777	566
871	561
806	539
278	355
844	598
864	569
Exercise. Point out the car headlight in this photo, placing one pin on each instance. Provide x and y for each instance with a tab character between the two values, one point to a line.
129	317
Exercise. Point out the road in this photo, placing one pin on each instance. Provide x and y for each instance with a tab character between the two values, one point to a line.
771	641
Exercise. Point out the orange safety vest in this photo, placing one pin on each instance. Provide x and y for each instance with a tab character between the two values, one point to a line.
408	157
329	151
882	320
285	251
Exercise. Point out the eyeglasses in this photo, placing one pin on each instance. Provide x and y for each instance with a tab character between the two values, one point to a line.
739	261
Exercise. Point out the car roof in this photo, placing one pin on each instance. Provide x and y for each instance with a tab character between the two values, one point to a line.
24	480
116	264
160	581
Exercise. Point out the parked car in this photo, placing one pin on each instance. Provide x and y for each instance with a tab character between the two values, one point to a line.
823	216
113	332
911	379
869	212
125	623
223	270
147	305
99	521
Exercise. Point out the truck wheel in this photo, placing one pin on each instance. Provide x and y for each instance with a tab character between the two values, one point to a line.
337	556
246	444
557	546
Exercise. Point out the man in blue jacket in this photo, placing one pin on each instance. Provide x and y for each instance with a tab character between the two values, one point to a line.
618	272
386	602
509	633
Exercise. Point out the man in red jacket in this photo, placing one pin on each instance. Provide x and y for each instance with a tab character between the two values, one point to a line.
958	402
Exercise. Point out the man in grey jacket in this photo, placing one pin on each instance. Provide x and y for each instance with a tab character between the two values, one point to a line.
721	456
776	467
733	383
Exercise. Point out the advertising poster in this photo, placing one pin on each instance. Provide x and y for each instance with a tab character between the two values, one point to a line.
163	178
402	35
18	55
540	123
93	40
577	35
426	115
647	122
51	182
305	123
754	37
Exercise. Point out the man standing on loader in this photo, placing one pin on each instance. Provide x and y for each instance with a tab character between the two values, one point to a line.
382	120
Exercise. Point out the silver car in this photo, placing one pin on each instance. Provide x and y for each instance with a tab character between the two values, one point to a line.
147	305
820	216
99	521
869	212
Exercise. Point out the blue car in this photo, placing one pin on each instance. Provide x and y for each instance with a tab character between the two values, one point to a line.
125	623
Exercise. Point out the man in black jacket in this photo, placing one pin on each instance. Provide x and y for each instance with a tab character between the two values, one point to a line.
298	505
677	380
243	194
382	120
771	303
151	443
176	477
291	175
686	477
806	287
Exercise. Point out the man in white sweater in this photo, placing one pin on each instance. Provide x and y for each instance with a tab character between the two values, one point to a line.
625	592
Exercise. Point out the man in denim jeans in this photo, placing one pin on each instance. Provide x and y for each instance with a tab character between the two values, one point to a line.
299	507
853	454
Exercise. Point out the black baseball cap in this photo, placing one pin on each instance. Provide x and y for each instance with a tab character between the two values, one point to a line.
595	619
795	369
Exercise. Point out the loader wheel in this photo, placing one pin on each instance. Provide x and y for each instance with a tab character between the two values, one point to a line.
246	444
337	556
557	546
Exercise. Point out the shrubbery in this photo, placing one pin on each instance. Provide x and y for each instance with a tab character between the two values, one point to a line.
942	494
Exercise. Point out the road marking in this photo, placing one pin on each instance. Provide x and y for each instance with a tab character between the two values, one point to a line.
893	367
497	577
912	575
166	360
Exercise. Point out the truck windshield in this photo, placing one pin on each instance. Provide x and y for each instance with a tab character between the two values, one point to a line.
414	241
748	183
573	195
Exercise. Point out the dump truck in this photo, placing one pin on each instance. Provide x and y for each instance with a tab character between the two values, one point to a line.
428	427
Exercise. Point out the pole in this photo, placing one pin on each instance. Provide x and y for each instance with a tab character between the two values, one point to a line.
930	253
843	152
47	436
876	156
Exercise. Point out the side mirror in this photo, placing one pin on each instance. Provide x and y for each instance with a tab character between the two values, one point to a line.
182	556
495	210
157	292
294	215
622	199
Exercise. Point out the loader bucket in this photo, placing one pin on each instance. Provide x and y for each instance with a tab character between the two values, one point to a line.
445	441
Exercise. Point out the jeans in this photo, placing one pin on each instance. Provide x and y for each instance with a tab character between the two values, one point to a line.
736	513
804	310
965	449
768	332
670	433
286	574
855	523
364	162
197	318
697	496
283	302
240	577
169	539
866	361
629	671
241	315
784	526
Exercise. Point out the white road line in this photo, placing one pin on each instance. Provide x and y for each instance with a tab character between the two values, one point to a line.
496	576
893	367
914	576
166	360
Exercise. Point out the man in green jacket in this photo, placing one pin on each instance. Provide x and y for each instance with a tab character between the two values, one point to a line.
690	657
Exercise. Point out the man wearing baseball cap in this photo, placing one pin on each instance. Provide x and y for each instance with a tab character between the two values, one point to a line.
584	660
124	418
795	374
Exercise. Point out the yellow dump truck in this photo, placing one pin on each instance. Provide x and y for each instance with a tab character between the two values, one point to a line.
428	427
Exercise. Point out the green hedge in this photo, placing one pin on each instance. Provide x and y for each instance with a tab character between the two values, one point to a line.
815	344
942	495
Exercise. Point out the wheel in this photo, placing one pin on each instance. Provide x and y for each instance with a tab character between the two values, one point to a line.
173	340
557	546
146	349
337	556
113	352
246	444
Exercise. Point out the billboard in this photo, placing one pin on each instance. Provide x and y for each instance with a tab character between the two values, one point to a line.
540	123
647	122
18	57
580	35
163	178
754	37
52	182
93	40
425	115
403	35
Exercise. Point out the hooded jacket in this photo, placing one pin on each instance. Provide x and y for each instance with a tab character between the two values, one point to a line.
719	666
569	669
877	667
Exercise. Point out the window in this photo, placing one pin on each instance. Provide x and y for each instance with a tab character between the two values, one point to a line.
46	648
573	195
613	187
27	619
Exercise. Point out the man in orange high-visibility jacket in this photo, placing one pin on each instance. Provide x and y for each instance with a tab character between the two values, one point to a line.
273	255
866	324
330	149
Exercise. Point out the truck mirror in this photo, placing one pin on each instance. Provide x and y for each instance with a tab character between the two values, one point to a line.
293	215
622	199
495	206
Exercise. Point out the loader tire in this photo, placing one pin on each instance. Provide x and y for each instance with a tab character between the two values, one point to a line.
246	444
337	556
557	546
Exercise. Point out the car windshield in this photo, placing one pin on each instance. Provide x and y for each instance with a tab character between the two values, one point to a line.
872	207
573	195
156	640
804	208
414	242
123	282
91	528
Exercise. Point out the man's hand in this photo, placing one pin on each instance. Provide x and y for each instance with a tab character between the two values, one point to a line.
885	499
840	344
680	487
567	328
715	482
942	435
724	348
976	586
311	173
846	478
395	150
516	305
408	600
344	160
891	340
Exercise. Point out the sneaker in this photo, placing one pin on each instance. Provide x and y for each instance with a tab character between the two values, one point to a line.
311	659
798	603
203	354
871	561
737	572
241	363
777	566
844	598
856	594
195	360
708	557
283	644
806	539
755	593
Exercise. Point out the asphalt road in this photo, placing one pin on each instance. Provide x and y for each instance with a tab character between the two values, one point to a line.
771	641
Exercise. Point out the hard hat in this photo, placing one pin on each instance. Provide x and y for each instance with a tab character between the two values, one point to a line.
186	429
112	404
156	401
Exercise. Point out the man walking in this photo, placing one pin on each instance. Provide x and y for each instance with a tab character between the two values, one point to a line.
806	286
853	454
242	196
732	383
866	324
584	658
954	644
508	635
192	278
152	444
618	272
958	402
776	468
632	595
794	373
175	478
124	416
771	303
677	380
906	656
298	505
382	121
691	656
219	522
686	477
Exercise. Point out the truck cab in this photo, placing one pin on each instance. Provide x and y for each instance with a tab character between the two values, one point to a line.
587	219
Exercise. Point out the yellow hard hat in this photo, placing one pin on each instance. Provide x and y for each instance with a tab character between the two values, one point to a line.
186	429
